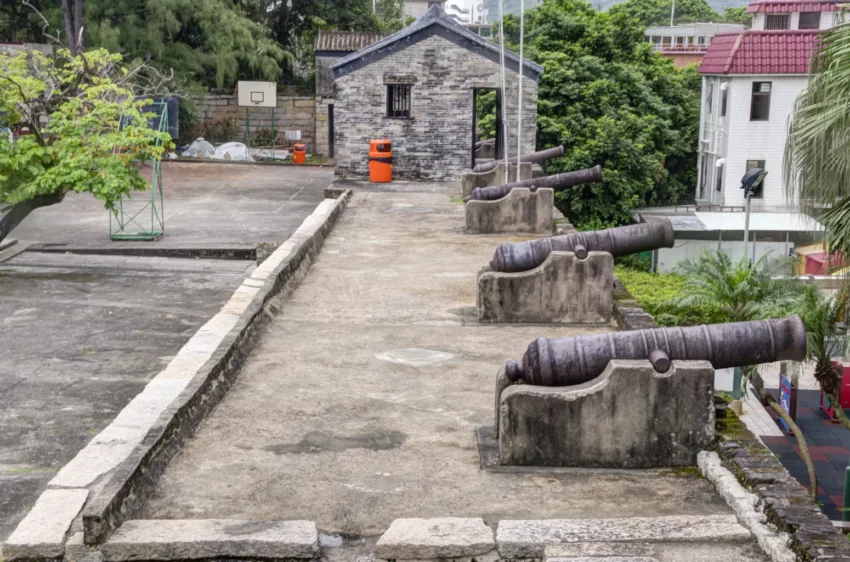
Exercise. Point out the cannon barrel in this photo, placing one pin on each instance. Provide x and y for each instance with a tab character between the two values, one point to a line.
579	359
535	157
481	143
558	181
619	241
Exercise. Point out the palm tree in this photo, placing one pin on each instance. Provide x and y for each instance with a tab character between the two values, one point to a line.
826	335
817	154
741	290
747	291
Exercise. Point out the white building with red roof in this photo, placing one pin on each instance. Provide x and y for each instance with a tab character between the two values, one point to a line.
751	80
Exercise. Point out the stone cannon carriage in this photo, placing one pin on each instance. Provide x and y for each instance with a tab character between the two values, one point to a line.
635	399
565	279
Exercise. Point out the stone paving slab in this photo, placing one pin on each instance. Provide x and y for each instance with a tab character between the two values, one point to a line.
447	537
604	559
196	539
41	534
528	539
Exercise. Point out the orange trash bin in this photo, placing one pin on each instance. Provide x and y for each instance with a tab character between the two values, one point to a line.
380	160
299	153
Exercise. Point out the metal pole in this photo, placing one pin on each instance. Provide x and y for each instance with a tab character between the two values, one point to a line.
519	96
504	90
672	12
747	225
754	247
720	241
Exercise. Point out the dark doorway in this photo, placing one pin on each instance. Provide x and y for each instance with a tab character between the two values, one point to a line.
487	125
330	130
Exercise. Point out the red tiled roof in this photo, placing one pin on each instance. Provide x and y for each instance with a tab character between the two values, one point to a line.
760	52
786	6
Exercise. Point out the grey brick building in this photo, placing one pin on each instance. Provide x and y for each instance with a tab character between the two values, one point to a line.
416	87
330	47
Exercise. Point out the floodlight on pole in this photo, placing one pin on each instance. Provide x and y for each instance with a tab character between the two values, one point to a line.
750	183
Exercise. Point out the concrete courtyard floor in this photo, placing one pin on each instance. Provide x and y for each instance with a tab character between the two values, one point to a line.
206	205
82	334
360	403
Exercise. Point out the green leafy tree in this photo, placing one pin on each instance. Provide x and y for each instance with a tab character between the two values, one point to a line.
208	42
817	153
610	100
657	12
88	130
738	15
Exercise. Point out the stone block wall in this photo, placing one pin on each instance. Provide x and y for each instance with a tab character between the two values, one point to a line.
435	143
296	110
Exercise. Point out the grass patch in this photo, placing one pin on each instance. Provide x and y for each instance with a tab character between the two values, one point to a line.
457	200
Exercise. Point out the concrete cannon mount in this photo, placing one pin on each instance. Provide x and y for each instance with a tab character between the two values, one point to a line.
521	211
470	180
360	402
562	289
628	417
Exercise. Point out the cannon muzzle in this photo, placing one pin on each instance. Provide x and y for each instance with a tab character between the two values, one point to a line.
579	359
558	181
620	241
535	157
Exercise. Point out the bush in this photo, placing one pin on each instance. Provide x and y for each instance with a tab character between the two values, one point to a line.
655	292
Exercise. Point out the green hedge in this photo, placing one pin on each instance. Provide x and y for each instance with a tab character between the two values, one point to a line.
655	292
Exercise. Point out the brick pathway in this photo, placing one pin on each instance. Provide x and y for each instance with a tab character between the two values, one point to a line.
829	446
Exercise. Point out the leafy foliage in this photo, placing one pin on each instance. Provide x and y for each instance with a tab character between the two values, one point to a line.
817	154
657	12
738	15
611	100
209	42
72	106
740	290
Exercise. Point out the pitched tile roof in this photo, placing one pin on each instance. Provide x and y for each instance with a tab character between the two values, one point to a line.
346	41
760	52
434	18
786	6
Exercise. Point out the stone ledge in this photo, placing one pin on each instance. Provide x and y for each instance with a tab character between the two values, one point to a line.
529	539
785	502
126	488
447	537
41	534
190	539
604	559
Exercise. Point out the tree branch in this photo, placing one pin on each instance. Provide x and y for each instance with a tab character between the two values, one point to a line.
53	38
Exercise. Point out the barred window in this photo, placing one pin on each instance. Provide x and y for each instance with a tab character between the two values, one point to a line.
809	20
778	21
398	100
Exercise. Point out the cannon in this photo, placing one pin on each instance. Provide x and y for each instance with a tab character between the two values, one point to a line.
479	144
579	359
619	241
534	157
558	181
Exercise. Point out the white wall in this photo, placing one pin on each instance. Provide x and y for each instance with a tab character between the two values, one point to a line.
669	258
827	20
714	133
759	140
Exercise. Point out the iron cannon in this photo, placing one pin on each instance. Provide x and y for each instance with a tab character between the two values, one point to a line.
620	241
558	181
535	158
579	359
479	144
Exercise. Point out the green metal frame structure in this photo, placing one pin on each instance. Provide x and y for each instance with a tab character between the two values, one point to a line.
143	218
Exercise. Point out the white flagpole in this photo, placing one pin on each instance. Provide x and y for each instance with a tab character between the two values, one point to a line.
504	90
519	96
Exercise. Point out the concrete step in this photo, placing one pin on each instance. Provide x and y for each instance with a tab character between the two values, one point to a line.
193	539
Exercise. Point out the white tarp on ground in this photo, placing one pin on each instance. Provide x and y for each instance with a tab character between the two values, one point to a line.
199	149
232	151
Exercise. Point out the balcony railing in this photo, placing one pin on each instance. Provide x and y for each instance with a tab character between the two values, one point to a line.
680	48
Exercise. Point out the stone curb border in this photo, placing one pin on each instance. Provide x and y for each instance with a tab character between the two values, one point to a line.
129	485
746	506
232	252
628	314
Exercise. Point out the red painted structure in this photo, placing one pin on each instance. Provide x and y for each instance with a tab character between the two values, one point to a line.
760	52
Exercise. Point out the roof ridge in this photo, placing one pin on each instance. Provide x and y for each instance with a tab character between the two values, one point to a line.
731	58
